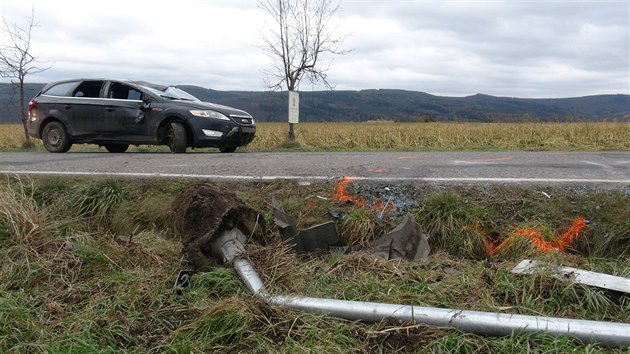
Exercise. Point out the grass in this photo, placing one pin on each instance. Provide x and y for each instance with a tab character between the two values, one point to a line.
88	265
584	136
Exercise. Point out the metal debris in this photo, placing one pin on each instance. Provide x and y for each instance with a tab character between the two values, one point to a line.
182	281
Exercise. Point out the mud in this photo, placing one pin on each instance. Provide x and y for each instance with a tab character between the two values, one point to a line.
202	211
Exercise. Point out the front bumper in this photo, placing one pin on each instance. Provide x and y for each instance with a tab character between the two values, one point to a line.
235	136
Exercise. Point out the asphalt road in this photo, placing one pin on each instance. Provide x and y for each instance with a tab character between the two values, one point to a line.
605	168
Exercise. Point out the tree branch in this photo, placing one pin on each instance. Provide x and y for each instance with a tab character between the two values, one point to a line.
300	37
16	59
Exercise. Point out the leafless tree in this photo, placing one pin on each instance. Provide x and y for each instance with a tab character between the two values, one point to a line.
299	38
16	59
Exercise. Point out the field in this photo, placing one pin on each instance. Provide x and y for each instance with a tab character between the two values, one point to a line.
450	136
88	265
413	136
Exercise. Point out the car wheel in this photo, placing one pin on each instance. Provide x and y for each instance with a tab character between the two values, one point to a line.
55	138
227	149
176	137
116	148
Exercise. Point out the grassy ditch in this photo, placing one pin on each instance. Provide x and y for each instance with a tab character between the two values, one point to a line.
586	136
88	265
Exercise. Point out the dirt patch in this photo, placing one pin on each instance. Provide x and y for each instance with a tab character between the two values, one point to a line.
202	211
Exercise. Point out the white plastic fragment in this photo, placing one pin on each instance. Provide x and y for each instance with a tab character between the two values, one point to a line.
581	276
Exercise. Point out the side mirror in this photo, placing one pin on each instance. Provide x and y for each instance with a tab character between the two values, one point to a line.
146	102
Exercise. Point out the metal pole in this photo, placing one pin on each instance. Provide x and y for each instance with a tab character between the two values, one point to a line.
484	323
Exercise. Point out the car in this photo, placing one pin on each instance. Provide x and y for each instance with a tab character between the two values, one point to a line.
119	113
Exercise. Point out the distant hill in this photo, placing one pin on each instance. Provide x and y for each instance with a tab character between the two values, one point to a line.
397	105
9	101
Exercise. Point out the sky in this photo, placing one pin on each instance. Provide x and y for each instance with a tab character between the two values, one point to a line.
509	48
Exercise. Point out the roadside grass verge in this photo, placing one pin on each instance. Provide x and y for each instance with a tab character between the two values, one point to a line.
88	265
585	136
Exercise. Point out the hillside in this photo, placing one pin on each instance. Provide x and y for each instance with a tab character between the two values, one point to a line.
387	104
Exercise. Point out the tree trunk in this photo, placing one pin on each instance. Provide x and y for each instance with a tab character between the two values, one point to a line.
23	113
291	132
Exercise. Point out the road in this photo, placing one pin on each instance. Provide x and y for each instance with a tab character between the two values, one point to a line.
609	168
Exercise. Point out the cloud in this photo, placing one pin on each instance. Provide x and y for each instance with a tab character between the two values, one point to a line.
524	48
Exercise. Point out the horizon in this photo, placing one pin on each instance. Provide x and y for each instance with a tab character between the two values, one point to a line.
335	90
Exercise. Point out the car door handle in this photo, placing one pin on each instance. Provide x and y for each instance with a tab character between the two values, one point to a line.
109	109
68	106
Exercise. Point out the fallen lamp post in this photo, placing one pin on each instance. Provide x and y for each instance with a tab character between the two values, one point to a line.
229	245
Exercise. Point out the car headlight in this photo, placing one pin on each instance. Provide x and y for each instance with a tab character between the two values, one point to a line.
208	114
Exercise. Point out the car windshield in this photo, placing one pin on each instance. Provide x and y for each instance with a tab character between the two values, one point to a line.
172	93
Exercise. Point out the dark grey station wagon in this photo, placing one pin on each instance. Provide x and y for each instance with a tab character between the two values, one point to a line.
119	113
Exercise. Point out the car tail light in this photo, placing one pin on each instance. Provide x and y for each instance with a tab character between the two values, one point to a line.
31	104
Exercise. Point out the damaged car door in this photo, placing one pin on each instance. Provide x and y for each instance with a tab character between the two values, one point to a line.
125	113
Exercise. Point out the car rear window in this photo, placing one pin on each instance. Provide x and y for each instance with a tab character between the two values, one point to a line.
62	89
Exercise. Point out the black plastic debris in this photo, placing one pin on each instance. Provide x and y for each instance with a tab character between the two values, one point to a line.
285	222
338	214
315	238
405	241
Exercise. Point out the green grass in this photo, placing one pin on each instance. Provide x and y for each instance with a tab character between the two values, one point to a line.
88	266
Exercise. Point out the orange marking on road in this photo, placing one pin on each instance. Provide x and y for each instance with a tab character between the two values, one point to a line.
406	157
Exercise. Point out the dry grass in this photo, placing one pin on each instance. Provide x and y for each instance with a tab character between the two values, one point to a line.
12	137
448	136
25	222
412	136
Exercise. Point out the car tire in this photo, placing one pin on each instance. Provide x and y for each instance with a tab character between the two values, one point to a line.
55	138
176	139
227	149
116	148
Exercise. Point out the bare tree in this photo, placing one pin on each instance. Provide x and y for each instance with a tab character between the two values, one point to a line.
300	37
16	59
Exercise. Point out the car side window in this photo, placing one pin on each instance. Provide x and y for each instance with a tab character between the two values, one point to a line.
62	89
123	92
88	89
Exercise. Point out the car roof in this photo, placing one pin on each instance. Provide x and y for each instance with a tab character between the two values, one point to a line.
134	82
149	84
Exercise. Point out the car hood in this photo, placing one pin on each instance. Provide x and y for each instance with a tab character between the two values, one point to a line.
213	106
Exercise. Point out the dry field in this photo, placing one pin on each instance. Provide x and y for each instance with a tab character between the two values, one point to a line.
449	136
417	136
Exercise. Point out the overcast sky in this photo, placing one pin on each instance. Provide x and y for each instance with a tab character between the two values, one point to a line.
516	48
